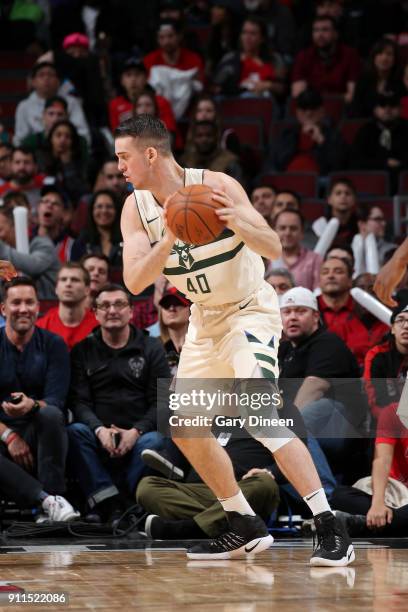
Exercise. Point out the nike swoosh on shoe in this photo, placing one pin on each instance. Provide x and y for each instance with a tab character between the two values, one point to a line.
248	550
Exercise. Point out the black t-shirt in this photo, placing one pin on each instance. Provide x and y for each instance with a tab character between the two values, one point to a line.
325	355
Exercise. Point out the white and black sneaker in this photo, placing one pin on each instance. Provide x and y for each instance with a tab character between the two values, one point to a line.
334	547
247	535
157	461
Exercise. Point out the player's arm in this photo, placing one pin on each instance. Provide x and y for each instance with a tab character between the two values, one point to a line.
142	263
379	514
241	217
391	274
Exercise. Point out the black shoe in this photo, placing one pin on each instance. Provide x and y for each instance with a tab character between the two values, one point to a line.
248	535
356	524
93	518
154	527
158	462
334	547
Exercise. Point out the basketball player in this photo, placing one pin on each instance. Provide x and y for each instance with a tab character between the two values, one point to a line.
234	326
391	274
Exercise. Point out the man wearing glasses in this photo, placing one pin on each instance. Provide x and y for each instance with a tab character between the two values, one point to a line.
113	400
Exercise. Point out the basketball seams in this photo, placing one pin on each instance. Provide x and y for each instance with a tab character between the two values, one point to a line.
190	200
203	222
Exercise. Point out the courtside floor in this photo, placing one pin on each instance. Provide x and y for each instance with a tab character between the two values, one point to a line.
137	574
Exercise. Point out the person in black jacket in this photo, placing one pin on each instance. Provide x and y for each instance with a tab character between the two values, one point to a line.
113	400
381	143
310	144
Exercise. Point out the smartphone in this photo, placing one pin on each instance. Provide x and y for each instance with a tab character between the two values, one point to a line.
16	399
116	439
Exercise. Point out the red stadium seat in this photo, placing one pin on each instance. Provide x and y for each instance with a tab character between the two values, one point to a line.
249	131
334	106
304	183
349	129
249	108
403	183
312	209
367	183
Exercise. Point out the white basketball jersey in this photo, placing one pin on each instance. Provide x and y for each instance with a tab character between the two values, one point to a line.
222	271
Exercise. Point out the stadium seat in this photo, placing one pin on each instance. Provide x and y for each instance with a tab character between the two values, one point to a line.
249	108
334	106
349	129
249	131
403	183
313	208
304	183
366	182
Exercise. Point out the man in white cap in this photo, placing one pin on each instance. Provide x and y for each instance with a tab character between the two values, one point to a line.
317	356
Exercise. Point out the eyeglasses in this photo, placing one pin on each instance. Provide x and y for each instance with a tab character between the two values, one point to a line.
401	322
118	305
379	219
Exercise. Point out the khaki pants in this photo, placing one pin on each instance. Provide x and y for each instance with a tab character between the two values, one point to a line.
178	500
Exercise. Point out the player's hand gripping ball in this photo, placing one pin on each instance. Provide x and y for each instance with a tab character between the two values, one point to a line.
191	215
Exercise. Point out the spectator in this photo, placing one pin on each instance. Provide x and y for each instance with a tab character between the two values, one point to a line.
169	62
116	356
263	199
174	314
6	150
371	220
337	308
133	82
63	158
303	263
102	233
97	266
332	412
71	319
190	510
29	113
53	218
12	199
205	109
281	29
380	144
146	104
34	380
41	263
377	505
382	74
280	279
285	199
112	179
385	365
327	65
342	202
224	33
24	176
251	72
345	252
311	144
206	152
404	95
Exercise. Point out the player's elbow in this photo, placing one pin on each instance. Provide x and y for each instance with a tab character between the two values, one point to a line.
275	250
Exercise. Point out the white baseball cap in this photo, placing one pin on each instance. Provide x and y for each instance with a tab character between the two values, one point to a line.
299	296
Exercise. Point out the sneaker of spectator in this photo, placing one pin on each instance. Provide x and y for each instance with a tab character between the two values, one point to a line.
24	177
40	263
71	319
45	83
56	509
328	65
97	266
54	215
133	82
304	264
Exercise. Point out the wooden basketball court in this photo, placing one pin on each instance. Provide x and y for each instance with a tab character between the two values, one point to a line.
141	575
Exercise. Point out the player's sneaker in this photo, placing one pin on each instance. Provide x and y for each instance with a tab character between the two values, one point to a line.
334	547
157	461
247	535
57	508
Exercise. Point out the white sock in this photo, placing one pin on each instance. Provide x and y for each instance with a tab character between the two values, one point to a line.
237	503
317	502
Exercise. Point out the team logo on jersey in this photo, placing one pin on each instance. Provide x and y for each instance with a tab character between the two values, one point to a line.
186	260
136	365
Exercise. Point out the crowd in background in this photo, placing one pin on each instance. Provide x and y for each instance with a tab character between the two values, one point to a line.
95	64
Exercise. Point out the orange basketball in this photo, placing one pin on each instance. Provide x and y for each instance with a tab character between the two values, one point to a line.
191	216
